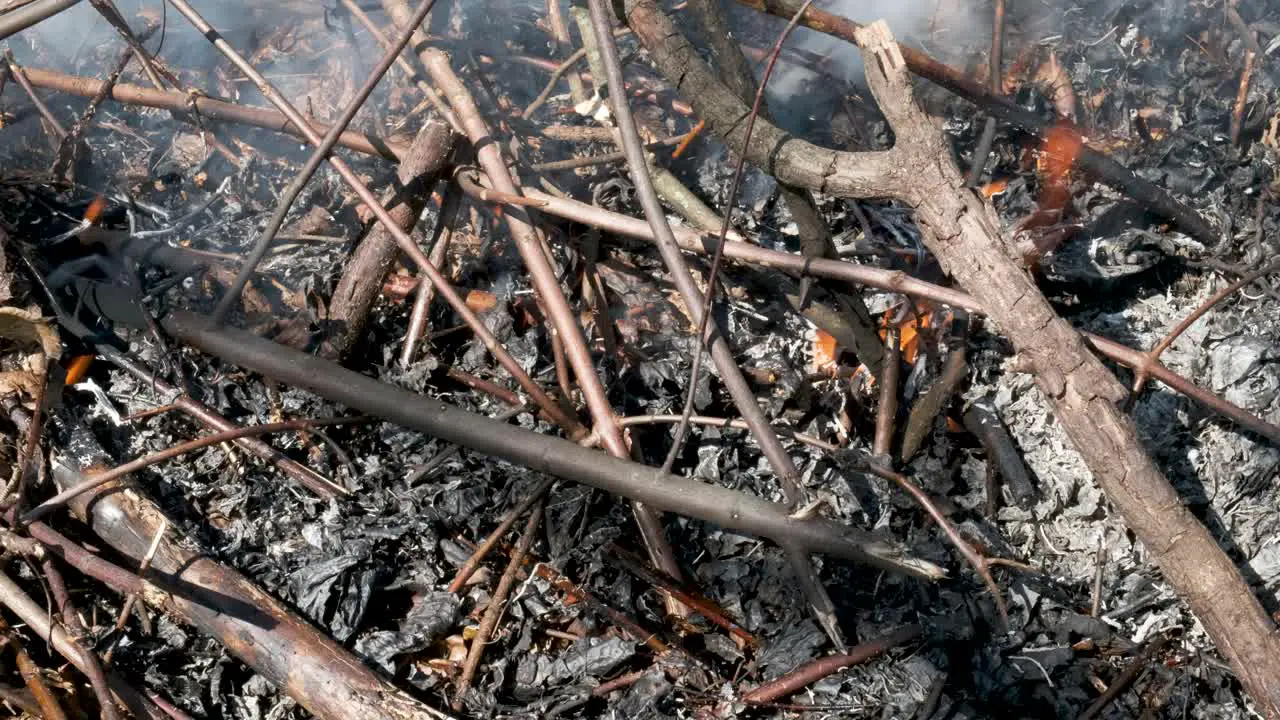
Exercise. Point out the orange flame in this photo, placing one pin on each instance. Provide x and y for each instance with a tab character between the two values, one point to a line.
1062	146
94	212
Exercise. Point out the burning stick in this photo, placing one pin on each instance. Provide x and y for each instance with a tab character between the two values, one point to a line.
1092	161
892	281
887	408
1242	97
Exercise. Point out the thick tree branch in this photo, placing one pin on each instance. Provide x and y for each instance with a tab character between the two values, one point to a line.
963	232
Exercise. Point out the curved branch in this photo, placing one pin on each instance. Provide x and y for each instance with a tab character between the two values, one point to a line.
792	160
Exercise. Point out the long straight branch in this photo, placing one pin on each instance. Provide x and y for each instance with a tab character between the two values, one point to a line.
543	453
721	354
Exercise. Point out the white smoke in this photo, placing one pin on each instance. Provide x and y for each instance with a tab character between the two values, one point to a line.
940	27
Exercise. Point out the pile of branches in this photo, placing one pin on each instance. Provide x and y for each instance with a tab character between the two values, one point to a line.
552	359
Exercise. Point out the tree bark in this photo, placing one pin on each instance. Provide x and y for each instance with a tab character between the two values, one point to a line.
362	278
324	678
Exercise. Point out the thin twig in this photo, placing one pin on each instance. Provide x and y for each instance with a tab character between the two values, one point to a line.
143	566
811	672
703	605
787	479
433	95
419	318
633	420
508	521
1140	378
979	563
107	9
12	596
62	164
933	403
496	605
1100	563
604	158
52	126
99	479
1242	97
563	41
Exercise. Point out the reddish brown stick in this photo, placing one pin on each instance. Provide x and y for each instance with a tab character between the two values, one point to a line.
320	675
209	108
469	567
496	605
807	674
32	676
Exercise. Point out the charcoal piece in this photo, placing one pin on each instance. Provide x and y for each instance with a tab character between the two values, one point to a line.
334	593
590	657
795	646
641	699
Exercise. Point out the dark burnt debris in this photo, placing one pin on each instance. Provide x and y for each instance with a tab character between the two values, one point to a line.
941	547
